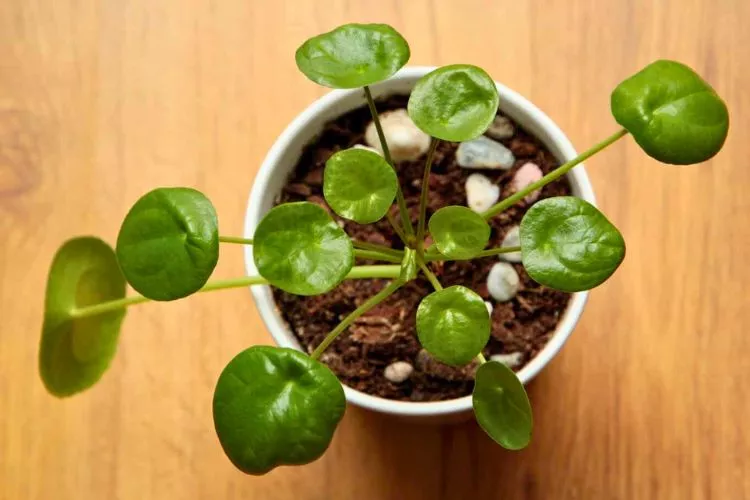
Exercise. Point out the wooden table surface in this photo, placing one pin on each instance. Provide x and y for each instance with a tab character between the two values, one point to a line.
101	101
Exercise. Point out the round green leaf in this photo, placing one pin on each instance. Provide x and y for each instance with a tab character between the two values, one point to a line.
353	55
359	185
453	325
454	103
75	352
275	406
673	114
299	248
569	245
459	232
168	244
501	406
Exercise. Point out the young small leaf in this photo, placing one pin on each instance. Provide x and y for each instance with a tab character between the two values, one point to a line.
353	55
459	232
75	352
168	244
275	406
454	103
299	248
359	185
569	245
501	406
673	114
453	325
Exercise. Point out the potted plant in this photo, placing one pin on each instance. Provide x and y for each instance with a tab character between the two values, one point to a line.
279	406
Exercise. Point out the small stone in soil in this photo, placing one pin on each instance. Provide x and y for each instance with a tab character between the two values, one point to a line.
529	173
511	239
511	360
501	128
484	153
398	372
503	282
481	193
406	141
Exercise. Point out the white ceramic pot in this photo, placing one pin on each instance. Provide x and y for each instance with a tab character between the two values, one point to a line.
283	157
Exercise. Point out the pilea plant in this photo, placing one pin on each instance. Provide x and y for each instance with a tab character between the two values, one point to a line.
274	406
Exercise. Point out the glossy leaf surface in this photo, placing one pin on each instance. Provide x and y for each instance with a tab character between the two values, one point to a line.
359	185
75	352
275	406
569	245
501	406
299	248
453	325
454	103
353	55
673	114
168	244
459	232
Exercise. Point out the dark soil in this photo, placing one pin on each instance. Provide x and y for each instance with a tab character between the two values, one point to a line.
387	333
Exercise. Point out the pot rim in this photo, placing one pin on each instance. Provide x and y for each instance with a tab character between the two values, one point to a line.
525	114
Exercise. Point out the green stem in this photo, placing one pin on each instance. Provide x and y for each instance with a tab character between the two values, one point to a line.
369	304
484	253
235	239
423	195
364	245
364	272
375	255
429	274
397	229
357	272
114	305
408	229
481	358
555	174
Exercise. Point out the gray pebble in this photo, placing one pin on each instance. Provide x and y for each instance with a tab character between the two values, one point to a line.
484	153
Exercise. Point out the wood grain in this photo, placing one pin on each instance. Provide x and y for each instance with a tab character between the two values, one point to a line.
102	100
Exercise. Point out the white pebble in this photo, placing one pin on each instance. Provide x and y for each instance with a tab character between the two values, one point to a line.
489	307
398	372
503	282
529	173
405	140
511	239
366	148
501	128
511	360
484	153
481	193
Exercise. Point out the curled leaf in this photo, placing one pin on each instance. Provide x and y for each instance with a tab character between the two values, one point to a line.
501	406
75	352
